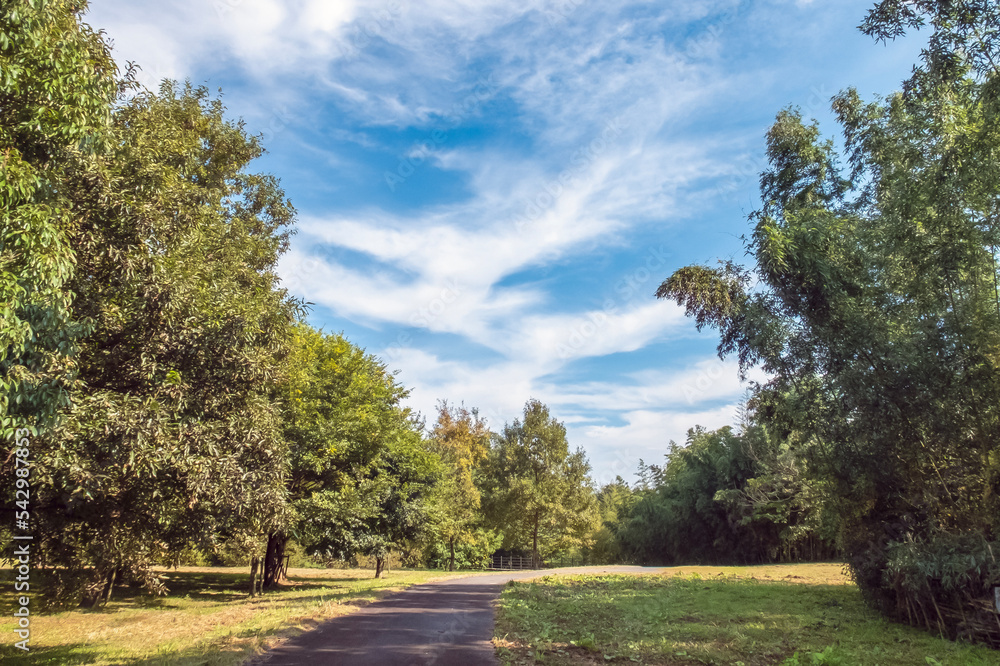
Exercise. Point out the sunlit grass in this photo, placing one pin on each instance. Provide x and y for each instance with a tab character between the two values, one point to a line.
754	616
207	619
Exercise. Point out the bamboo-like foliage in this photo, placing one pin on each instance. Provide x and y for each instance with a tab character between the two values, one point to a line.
878	308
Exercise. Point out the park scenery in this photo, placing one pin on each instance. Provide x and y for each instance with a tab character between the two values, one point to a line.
607	313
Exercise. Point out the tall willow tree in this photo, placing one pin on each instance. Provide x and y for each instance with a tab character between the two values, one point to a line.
172	438
877	306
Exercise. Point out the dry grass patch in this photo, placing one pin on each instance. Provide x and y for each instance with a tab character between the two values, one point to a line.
812	573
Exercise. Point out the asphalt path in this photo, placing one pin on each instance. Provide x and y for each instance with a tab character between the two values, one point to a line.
445	623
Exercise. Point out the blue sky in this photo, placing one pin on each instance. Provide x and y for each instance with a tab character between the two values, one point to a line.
489	192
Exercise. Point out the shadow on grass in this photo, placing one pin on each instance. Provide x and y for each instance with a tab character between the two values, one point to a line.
225	587
214	587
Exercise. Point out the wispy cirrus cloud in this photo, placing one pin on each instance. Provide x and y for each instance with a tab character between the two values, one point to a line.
598	156
494	188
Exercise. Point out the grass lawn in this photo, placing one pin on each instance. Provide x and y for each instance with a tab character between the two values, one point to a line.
790	615
207	619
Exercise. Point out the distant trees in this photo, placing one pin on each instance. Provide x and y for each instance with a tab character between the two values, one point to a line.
462	441
178	400
615	502
405	481
678	520
723	498
535	491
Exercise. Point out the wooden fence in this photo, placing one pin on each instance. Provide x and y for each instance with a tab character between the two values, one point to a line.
513	563
516	563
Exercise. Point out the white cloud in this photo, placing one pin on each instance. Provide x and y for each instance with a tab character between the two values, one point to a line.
609	160
657	406
557	339
595	94
496	318
616	450
499	390
704	382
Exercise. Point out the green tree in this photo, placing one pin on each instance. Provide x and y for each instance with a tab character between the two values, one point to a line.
782	507
359	471
57	89
377	509
680	521
172	437
404	479
614	503
536	492
461	439
877	307
726	497
964	33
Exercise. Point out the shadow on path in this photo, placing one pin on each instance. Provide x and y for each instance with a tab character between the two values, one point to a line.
447	623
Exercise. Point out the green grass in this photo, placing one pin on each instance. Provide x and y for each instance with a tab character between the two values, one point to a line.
207	619
795	615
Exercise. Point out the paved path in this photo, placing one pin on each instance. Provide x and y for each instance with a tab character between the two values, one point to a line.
446	623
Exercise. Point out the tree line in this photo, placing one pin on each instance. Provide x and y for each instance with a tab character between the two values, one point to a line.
176	400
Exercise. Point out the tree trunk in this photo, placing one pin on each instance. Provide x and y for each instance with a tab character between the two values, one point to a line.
95	600
534	543
111	584
274	560
254	565
379	563
102	589
451	562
